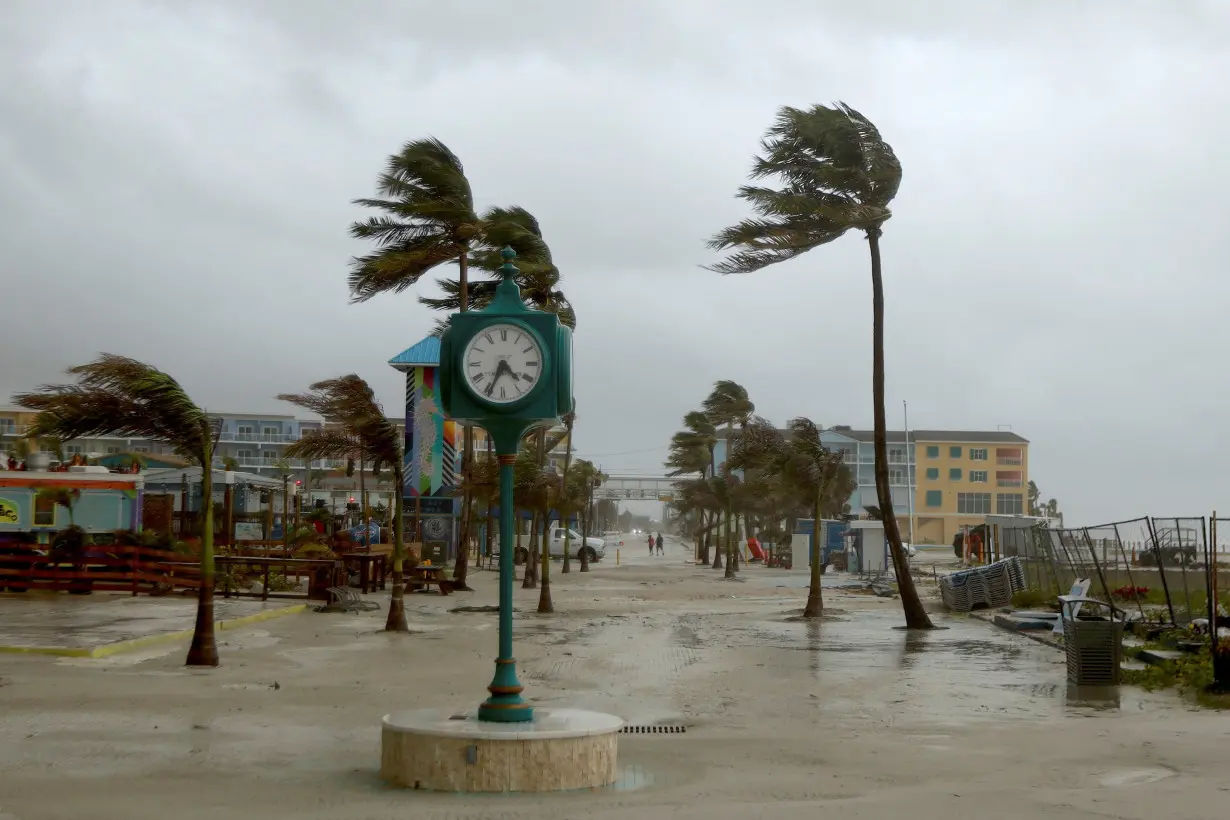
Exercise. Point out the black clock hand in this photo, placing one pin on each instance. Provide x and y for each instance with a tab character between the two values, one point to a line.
499	370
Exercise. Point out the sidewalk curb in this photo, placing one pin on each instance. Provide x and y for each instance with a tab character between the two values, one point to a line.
149	640
1045	640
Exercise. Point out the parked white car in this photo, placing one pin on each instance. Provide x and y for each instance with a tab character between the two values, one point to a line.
596	546
555	536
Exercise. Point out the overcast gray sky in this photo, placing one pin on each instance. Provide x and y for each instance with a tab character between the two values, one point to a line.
175	181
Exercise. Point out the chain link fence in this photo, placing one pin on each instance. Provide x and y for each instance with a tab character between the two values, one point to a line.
1161	569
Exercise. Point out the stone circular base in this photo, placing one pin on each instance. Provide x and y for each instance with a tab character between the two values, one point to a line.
455	752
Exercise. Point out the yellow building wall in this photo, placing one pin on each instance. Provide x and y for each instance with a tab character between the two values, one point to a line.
940	524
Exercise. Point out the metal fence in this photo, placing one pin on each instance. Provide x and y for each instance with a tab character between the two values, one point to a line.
1161	567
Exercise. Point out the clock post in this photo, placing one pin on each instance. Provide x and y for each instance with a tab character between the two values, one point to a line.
506	368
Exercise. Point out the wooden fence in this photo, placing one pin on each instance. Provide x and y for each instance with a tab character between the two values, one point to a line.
113	568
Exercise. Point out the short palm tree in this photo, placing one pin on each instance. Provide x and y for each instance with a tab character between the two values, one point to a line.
119	396
359	428
691	453
836	174
809	468
729	404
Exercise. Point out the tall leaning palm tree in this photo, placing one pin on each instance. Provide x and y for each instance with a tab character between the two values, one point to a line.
359	429
426	219
119	396
836	174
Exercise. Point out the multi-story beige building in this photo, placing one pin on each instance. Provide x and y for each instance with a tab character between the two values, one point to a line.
953	478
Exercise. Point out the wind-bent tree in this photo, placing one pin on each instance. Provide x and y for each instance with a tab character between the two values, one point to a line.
692	450
426	219
358	428
809	469
119	396
728	404
836	174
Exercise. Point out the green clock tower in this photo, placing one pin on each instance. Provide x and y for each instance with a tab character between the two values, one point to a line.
506	368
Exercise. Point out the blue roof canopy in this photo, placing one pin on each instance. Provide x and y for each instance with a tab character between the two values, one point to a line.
426	353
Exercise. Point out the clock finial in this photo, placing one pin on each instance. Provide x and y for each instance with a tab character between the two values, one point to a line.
508	293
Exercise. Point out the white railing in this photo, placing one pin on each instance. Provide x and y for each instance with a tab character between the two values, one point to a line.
272	438
1008	462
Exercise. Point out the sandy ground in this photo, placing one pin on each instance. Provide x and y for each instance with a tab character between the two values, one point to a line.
846	717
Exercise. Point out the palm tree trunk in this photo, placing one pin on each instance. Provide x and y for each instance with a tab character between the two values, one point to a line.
731	567
544	594
397	602
911	604
203	650
815	599
530	576
363	504
563	494
590	512
461	565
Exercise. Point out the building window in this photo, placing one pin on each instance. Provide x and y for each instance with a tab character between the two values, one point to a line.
72	449
954	452
245	456
974	503
848	456
978	455
978	476
896	454
933	473
935	498
244	431
268	456
1009	504
1008	457
112	450
271	433
1008	478
933	451
44	512
954	474
7	426
896	476
140	448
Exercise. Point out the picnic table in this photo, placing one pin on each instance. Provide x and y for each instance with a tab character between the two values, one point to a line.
372	568
424	575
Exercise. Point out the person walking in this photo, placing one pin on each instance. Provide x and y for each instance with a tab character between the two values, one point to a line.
659	542
651	543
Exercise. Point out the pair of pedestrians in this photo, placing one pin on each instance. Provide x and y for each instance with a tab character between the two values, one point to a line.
655	542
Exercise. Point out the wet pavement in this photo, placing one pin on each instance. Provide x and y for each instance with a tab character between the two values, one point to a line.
784	718
29	620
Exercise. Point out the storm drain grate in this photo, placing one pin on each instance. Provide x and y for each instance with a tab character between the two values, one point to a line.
653	730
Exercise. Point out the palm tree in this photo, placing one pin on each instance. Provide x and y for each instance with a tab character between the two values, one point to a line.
532	493
565	503
696	444
426	219
728	404
359	428
809	468
692	453
119	396
837	174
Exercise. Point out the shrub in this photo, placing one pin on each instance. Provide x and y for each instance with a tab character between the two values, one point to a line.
1130	593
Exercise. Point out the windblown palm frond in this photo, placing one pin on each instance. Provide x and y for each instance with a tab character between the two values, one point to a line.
428	219
728	403
836	174
116	395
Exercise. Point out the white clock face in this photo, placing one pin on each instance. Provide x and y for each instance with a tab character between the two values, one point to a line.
502	364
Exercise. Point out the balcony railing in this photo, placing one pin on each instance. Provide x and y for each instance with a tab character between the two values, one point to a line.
1008	462
1008	482
270	438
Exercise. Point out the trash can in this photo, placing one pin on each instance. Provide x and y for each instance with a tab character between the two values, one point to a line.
1094	648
